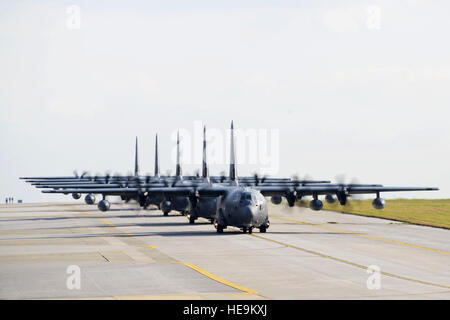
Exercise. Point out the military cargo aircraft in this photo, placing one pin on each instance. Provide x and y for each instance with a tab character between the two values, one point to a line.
167	203
245	207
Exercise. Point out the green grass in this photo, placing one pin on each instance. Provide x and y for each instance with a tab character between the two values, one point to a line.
434	213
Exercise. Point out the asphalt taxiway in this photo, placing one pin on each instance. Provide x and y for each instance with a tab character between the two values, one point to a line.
128	253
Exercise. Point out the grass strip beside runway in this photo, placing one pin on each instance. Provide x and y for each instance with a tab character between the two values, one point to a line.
425	212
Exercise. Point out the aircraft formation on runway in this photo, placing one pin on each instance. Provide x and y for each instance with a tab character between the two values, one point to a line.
225	201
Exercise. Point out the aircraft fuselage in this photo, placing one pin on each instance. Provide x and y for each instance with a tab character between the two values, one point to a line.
244	208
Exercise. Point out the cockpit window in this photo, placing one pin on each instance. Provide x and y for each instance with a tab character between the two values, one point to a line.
246	196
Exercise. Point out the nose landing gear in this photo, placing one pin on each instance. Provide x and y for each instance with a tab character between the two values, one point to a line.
191	218
263	228
245	229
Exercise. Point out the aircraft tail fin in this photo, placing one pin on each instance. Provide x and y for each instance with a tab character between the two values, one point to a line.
233	169
178	172
156	157
136	160
205	172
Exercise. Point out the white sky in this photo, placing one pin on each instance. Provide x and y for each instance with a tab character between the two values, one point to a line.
345	98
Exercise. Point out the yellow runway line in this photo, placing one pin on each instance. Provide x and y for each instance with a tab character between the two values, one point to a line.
199	270
351	263
106	222
362	235
149	247
215	278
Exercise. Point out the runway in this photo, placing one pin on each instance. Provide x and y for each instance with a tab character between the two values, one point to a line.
128	253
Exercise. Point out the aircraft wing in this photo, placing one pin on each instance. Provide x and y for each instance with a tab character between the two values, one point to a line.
183	191
274	190
331	189
97	186
186	191
216	191
105	191
311	190
79	186
359	190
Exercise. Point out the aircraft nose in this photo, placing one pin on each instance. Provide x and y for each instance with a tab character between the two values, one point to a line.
247	215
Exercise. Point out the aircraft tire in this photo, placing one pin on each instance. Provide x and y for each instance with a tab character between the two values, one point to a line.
192	219
262	229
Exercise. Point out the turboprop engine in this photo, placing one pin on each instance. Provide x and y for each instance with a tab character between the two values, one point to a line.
276	199
330	199
166	207
90	198
76	196
378	203
104	205
316	204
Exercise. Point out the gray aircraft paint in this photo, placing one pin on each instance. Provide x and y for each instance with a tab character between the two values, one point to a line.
236	205
241	207
136	160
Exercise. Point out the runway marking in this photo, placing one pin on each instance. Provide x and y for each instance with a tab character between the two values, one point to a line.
362	235
351	263
199	270
106	222
133	253
150	247
111	225
213	277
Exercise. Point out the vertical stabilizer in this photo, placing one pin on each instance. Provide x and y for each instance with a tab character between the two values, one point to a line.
233	169
156	157
178	172
205	173
136	160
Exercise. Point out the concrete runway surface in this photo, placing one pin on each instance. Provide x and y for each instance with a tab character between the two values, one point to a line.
128	253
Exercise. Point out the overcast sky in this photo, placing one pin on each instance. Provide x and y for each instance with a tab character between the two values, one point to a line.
360	88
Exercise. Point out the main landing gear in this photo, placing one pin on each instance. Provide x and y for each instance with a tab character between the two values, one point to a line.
191	218
219	227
